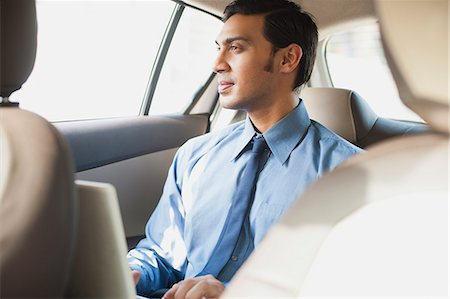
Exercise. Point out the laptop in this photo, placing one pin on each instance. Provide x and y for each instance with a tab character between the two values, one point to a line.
100	268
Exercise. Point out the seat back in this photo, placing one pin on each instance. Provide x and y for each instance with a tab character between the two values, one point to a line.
347	114
37	198
378	225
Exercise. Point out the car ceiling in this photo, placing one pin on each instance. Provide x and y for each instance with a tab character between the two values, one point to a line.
330	15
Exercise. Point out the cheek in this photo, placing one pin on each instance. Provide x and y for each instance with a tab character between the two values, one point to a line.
246	61
248	71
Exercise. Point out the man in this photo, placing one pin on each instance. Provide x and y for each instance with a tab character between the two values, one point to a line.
196	240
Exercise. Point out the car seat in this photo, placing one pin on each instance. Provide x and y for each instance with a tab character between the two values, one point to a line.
37	195
347	114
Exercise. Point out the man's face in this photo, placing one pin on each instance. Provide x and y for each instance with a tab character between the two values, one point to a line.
245	64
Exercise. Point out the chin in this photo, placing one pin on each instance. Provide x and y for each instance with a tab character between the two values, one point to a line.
233	102
227	101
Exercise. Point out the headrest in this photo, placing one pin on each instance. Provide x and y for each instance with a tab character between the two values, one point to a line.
18	43
415	39
352	118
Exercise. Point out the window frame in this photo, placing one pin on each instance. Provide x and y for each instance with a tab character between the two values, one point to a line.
161	57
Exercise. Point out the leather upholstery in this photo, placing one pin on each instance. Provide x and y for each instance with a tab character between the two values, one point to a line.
37	207
18	41
37	198
341	110
347	114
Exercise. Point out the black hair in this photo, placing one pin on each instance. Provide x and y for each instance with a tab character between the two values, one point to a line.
285	23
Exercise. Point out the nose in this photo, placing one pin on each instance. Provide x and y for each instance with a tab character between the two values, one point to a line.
220	64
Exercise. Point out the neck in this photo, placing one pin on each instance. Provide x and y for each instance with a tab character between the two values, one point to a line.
265	117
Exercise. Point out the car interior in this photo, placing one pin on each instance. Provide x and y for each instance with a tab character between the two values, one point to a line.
76	193
361	230
38	201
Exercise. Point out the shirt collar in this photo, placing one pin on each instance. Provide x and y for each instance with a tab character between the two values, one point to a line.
244	138
282	137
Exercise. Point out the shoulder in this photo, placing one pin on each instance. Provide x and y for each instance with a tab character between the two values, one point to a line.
202	144
328	137
331	148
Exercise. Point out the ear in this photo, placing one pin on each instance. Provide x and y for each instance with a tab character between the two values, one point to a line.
291	58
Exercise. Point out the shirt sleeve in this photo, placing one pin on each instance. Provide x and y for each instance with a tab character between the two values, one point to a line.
161	256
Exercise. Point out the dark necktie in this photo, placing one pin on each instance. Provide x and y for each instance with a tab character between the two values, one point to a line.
240	207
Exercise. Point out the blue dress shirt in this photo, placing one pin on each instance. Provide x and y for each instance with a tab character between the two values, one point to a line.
185	226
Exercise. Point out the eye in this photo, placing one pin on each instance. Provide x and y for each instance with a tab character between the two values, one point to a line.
235	48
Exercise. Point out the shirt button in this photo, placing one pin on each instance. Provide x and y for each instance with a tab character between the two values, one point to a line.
234	258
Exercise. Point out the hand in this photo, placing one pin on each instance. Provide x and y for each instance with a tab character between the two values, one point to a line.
196	288
136	276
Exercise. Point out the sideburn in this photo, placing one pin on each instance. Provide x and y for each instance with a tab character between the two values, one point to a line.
269	65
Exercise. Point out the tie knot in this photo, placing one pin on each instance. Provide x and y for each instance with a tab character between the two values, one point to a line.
259	145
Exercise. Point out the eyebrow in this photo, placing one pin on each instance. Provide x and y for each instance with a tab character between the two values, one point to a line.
229	40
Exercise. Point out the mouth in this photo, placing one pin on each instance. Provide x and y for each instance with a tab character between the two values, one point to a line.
225	86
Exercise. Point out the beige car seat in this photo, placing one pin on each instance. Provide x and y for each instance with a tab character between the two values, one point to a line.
37	197
347	114
376	227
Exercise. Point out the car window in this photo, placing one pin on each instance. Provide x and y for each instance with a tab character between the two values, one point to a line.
94	58
356	61
189	62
